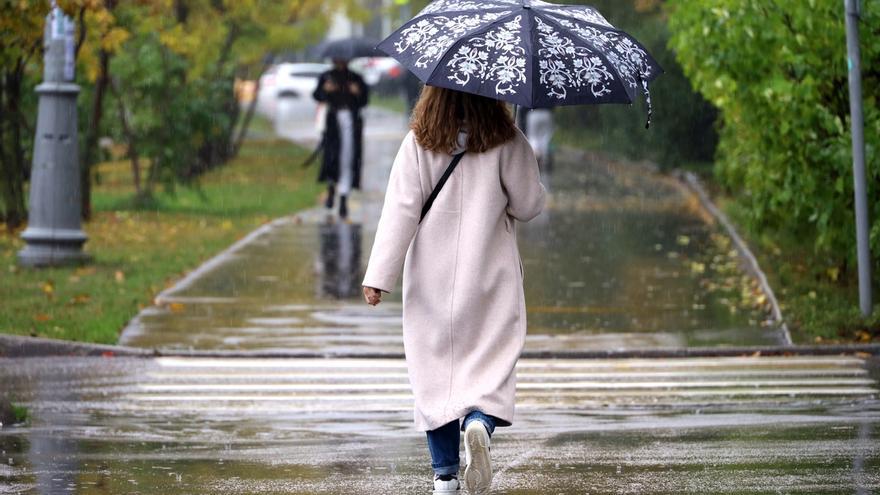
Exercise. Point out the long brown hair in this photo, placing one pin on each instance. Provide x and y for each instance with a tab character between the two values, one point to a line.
440	113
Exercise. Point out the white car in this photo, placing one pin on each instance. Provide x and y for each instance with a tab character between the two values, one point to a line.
291	80
377	69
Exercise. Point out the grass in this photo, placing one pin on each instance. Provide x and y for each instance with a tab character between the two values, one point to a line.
140	251
12	413
820	304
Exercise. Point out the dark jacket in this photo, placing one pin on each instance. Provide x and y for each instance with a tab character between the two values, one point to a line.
341	98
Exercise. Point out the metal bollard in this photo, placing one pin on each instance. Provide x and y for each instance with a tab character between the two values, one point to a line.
54	235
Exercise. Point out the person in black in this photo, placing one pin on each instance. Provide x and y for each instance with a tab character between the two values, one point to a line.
345	93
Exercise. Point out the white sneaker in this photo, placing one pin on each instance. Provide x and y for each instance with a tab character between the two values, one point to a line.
442	486
478	473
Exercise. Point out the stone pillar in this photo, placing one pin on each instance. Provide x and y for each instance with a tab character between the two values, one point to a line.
54	235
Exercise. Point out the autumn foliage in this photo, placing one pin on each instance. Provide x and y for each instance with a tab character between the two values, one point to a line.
157	76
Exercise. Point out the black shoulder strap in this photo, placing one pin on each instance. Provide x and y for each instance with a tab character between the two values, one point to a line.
440	183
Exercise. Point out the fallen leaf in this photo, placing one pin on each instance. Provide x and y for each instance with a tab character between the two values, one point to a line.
48	288
42	317
84	271
833	273
176	307
120	276
80	299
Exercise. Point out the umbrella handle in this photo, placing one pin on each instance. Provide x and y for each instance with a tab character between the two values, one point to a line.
647	100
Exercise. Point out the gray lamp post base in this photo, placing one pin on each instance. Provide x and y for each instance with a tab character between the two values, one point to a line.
53	247
54	236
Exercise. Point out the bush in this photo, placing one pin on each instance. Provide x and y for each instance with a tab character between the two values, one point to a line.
683	128
777	71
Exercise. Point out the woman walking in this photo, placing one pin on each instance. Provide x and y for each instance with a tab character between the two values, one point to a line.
345	94
464	317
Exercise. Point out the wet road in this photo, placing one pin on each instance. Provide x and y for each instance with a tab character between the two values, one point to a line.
621	259
201	425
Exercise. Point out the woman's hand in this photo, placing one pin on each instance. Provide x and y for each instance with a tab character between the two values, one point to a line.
372	296
330	86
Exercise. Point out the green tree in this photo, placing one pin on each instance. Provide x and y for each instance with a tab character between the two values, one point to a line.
777	72
174	77
22	26
683	128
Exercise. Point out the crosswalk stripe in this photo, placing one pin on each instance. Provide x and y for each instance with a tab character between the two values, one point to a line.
522	376
360	384
579	385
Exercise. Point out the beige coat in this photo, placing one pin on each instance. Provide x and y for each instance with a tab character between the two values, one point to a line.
464	315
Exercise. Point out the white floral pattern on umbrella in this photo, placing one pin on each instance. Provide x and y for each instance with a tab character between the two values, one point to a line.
564	66
430	38
507	65
532	53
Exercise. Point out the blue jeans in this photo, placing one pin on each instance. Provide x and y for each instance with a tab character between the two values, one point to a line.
444	441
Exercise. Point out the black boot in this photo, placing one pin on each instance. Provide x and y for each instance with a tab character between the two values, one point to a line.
343	207
331	193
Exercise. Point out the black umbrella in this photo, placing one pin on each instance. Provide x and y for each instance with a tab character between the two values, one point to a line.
349	48
530	53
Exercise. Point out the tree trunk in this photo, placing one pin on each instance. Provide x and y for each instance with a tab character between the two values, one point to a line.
13	169
131	141
245	124
90	153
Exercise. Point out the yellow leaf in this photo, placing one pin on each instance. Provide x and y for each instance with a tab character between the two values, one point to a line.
80	299
120	276
48	288
114	39
176	307
833	273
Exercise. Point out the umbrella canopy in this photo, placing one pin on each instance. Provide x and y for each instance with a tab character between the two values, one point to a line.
348	48
530	53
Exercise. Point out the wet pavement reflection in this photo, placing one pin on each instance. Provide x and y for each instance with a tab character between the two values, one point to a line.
343	426
339	268
622	258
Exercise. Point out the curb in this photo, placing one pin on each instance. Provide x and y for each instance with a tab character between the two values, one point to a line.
693	183
13	346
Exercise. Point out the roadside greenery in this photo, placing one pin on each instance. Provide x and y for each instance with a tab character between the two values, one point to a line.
12	413
683	125
157	76
777	72
139	250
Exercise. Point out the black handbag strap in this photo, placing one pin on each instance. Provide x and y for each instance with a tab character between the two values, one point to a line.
440	183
